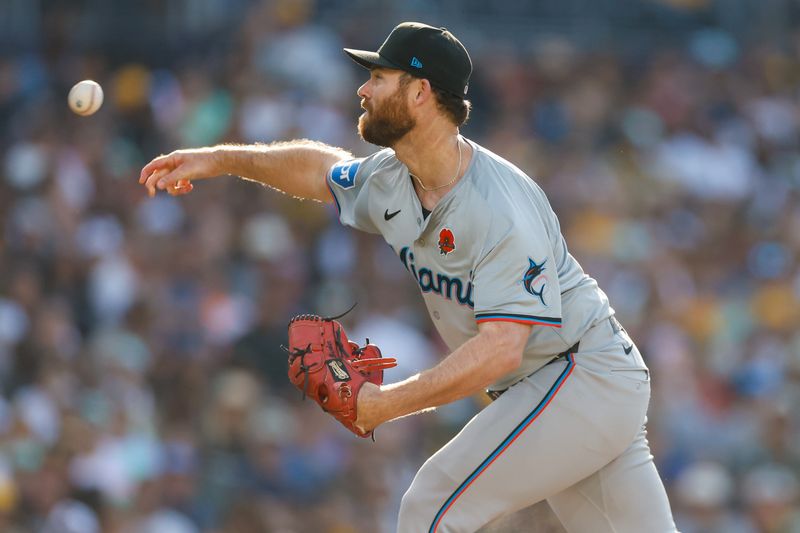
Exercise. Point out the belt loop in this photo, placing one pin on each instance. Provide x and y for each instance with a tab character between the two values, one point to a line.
495	394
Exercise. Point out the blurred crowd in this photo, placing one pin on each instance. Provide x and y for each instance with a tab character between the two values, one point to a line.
142	381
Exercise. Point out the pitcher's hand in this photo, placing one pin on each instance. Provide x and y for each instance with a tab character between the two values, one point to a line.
174	172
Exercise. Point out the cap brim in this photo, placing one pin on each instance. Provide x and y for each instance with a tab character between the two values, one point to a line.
369	59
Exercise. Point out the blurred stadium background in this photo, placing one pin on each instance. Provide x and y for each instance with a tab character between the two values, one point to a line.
142	387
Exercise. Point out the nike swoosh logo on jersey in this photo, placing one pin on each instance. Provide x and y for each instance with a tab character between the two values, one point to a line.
389	216
627	349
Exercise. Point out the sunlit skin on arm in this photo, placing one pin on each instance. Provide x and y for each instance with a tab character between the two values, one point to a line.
479	362
297	168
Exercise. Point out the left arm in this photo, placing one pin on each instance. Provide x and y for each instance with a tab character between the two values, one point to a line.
495	351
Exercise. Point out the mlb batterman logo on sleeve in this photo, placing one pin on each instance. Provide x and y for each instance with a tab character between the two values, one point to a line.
344	173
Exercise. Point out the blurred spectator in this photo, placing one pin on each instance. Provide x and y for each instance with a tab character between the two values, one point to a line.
704	492
770	494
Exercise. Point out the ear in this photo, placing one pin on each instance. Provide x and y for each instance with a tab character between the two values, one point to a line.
422	91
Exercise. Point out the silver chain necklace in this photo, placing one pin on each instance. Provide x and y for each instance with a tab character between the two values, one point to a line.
458	171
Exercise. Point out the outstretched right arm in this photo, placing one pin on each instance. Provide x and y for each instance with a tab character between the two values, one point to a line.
297	168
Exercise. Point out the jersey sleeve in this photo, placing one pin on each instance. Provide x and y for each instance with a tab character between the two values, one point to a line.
516	280
348	182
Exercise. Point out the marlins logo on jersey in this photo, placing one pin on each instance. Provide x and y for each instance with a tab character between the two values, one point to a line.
534	278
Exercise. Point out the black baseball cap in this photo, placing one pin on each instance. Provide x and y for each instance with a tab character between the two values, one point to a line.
425	52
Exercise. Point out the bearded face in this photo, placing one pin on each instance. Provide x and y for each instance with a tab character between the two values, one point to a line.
387	121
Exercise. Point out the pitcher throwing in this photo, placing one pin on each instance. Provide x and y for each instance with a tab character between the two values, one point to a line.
521	318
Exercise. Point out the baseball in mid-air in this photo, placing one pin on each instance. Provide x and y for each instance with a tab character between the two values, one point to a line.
85	97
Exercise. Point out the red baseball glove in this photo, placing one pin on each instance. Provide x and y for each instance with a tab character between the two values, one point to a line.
330	369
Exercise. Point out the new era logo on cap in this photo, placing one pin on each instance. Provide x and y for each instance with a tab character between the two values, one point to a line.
416	63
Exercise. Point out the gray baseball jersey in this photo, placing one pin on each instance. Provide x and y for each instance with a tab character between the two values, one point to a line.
490	250
569	429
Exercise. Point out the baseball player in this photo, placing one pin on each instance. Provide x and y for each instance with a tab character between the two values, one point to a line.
522	319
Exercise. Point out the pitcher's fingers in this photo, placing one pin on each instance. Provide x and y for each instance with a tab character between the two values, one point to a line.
152	179
160	162
169	179
180	187
160	175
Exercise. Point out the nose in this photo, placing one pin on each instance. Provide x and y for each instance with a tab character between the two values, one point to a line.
363	91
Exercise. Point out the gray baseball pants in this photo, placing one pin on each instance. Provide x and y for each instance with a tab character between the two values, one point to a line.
571	433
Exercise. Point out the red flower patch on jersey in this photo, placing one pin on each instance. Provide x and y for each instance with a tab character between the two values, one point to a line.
447	241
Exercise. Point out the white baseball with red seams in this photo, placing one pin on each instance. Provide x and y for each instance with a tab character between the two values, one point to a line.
85	97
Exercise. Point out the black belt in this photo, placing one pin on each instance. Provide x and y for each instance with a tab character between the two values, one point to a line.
495	394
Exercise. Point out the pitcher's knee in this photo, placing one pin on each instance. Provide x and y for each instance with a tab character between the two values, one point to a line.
424	499
415	509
